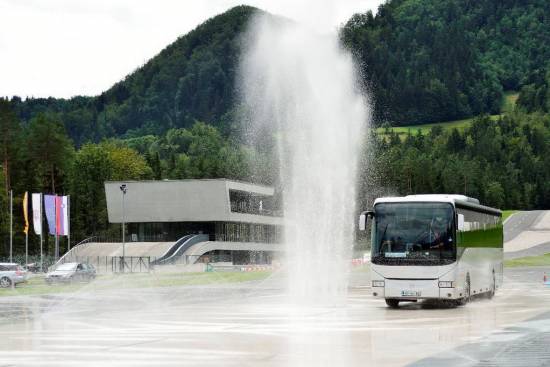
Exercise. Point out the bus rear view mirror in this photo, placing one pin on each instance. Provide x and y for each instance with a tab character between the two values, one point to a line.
460	223
363	219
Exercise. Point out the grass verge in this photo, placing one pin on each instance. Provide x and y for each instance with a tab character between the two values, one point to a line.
37	286
402	131
507	213
541	260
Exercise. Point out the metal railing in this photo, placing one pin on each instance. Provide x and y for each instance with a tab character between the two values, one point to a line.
131	264
113	264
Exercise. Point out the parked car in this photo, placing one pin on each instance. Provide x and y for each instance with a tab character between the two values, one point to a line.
11	274
71	272
33	267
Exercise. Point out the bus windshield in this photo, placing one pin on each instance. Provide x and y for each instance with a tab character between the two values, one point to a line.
413	234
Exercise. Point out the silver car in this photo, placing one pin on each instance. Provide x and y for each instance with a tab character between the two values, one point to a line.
71	272
11	274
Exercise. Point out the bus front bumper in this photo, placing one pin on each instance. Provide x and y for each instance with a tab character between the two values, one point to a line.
412	289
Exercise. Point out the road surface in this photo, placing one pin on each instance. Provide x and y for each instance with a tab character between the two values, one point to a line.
527	234
254	324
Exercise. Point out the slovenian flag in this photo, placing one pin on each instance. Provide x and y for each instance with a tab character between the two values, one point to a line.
62	216
57	214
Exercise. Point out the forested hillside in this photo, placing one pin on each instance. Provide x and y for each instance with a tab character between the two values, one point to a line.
503	163
422	60
433	60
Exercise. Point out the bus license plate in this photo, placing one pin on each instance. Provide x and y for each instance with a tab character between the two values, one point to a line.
411	293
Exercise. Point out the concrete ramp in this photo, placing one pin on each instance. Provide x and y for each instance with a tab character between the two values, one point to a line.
101	253
527	234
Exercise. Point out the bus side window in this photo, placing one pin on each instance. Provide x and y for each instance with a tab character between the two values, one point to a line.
460	222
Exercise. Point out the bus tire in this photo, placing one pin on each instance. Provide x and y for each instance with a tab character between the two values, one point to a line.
467	289
392	302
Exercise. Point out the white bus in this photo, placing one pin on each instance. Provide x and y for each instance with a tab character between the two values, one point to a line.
434	247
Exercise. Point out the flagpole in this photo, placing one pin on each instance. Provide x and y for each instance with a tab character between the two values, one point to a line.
68	224
56	231
41	237
26	248
27	228
11	226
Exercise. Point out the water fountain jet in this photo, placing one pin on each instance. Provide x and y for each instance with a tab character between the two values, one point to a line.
302	88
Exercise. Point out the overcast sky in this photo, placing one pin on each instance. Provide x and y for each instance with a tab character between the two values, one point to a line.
63	48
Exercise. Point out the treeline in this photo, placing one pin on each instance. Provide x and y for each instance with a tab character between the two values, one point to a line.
40	157
534	96
431	60
504	163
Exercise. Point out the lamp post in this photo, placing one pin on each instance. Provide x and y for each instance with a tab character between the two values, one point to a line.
123	189
11	226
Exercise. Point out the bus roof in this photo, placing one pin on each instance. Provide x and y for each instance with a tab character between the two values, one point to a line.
457	201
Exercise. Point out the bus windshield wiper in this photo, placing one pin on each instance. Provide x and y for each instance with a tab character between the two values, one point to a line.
383	234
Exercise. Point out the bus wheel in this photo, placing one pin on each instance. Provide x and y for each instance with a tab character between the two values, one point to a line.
392	303
466	298
491	293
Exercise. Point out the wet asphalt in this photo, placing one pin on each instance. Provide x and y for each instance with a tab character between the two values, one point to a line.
254	324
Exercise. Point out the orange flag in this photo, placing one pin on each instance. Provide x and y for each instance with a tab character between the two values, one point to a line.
25	212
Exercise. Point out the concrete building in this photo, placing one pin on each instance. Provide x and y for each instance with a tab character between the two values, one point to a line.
167	210
189	221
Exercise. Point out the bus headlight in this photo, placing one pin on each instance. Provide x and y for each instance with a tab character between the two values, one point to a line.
377	283
446	284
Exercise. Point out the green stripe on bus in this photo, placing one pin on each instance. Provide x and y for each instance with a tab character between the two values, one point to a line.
490	238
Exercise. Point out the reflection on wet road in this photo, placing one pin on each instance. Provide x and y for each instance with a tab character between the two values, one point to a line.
253	325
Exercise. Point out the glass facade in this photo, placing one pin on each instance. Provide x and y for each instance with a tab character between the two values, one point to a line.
251	203
247	232
166	231
218	231
238	257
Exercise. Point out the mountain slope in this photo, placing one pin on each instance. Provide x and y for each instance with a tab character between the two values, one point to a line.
191	79
434	60
422	60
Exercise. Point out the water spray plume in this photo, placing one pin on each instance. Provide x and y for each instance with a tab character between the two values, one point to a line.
301	88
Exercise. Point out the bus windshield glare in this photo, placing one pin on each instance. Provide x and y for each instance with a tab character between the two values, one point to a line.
413	234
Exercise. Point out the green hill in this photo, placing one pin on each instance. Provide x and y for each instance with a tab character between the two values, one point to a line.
431	60
423	61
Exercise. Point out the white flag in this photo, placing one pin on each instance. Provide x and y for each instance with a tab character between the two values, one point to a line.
37	213
64	220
